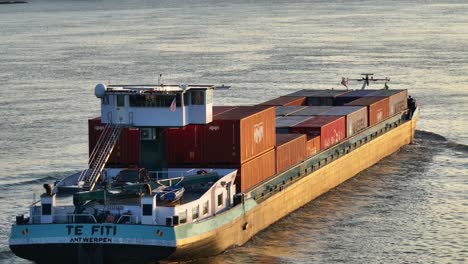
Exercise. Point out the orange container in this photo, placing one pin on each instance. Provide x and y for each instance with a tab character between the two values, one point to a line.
290	149
240	134
312	145
377	108
398	100
256	170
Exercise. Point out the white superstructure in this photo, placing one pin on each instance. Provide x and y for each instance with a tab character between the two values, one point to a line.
155	105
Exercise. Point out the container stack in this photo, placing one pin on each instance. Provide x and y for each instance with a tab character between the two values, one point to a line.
331	129
356	117
377	108
241	137
319	97
264	139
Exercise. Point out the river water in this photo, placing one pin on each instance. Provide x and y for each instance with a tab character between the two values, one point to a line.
409	208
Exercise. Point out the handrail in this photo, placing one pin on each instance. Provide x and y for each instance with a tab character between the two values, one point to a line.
37	218
103	152
95	151
130	217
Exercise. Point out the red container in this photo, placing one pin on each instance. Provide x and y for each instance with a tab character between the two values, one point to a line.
286	101
185	145
377	108
331	129
217	110
312	145
290	149
356	117
238	135
255	171
126	152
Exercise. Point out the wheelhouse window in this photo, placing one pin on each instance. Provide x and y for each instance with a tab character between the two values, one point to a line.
154	100
187	98
120	100
198	97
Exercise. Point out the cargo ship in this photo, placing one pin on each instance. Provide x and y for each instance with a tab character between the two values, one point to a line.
172	177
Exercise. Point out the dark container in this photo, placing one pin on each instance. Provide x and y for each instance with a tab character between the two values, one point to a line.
331	129
284	123
319	97
311	110
217	110
312	145
290	149
287	110
185	145
398	100
356	117
377	108
286	101
351	96
256	170
126	151
240	134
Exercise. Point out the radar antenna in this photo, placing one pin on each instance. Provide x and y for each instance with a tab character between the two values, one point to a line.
367	78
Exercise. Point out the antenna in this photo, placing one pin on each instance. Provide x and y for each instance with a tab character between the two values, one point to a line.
368	78
159	79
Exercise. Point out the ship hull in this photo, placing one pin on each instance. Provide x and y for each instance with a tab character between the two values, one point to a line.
92	253
212	236
272	209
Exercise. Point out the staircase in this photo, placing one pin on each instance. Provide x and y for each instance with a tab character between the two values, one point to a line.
101	153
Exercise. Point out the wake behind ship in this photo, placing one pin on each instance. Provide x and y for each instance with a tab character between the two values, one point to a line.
170	176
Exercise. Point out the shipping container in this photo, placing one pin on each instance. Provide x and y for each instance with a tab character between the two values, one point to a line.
287	110
331	129
345	98
185	145
356	117
217	110
377	108
126	151
319	97
290	149
398	100
286	101
256	170
312	145
240	134
284	123
311	110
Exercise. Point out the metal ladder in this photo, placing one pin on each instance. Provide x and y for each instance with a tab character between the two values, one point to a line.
101	153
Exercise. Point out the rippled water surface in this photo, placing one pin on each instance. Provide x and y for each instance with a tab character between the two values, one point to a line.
409	208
